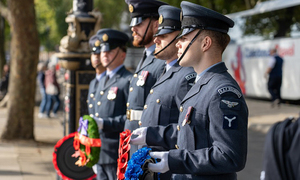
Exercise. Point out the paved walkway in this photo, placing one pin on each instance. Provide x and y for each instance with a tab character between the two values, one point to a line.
33	160
30	160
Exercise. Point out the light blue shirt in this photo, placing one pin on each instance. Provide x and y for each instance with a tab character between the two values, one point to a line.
168	66
113	72
99	76
150	49
203	72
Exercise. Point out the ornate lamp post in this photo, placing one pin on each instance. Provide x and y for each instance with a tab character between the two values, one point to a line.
74	56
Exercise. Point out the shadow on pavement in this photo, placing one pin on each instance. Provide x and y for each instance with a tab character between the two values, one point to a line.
13	173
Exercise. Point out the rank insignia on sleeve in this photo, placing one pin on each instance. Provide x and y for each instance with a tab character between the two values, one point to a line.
230	122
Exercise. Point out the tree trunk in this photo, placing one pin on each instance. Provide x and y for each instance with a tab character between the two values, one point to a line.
2	42
24	59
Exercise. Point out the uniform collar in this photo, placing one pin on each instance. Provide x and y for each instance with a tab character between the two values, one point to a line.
150	49
113	72
168	66
203	72
99	76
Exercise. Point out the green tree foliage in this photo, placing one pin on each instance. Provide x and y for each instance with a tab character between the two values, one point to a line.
111	12
52	26
51	21
273	24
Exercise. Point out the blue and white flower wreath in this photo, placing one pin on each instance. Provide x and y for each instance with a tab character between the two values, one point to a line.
134	169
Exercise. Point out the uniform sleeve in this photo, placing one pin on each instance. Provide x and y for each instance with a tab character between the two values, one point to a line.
185	85
164	136
114	124
227	142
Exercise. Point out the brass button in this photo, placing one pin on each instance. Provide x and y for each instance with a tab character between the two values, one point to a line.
92	95
151	91
101	92
97	114
131	89
98	103
157	100
135	75
178	127
176	146
91	115
87	101
181	108
145	107
128	114
90	105
140	123
127	104
94	99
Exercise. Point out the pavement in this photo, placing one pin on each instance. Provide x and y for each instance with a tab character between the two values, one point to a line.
23	160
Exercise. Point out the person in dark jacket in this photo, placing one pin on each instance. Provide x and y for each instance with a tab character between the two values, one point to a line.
274	71
4	81
41	81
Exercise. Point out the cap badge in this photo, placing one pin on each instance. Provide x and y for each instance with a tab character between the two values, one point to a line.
130	7
161	19
97	43
105	37
181	16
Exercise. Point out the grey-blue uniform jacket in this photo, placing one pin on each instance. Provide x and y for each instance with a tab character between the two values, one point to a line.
138	94
92	96
163	101
108	109
210	141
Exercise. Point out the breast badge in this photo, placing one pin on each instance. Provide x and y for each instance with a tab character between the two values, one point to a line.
142	78
112	93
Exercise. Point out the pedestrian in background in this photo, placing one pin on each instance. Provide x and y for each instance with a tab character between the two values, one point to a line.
4	81
42	67
52	91
274	71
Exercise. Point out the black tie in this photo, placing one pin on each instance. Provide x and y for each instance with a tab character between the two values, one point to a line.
106	79
164	71
96	83
143	59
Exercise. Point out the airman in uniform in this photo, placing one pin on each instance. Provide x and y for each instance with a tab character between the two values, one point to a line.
94	43
144	24
163	101
111	98
210	140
